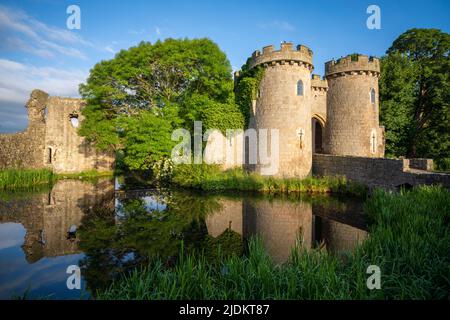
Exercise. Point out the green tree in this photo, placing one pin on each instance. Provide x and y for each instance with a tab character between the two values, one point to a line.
135	100
147	140
414	94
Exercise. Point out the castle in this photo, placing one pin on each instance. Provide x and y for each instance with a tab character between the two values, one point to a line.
337	115
325	126
51	139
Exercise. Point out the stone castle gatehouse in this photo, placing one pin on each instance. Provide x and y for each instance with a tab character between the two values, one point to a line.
335	115
51	139
326	126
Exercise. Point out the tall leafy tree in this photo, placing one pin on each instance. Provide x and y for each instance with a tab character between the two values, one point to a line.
136	99
414	94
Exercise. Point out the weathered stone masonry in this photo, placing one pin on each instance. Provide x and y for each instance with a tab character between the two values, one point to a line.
26	149
328	126
335	115
379	172
51	139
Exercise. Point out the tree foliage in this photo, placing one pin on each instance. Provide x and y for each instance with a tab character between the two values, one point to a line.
414	94
135	100
246	89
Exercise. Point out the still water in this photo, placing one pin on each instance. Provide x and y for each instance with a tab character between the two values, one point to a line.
119	228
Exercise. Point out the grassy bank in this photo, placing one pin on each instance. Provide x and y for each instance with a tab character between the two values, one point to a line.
211	178
86	175
15	179
21	179
409	241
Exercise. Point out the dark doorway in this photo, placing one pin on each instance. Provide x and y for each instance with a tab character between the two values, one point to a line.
317	137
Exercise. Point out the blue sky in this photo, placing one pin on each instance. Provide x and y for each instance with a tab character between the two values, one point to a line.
38	51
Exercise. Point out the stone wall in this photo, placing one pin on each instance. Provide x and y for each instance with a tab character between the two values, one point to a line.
51	139
227	151
26	149
319	88
421	164
376	172
70	152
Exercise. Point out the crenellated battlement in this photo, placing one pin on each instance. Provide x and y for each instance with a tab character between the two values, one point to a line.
353	64
301	55
318	83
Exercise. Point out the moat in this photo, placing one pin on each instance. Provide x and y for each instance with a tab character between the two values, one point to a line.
120	227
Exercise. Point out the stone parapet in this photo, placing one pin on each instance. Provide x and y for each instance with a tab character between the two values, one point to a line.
318	84
353	64
301	55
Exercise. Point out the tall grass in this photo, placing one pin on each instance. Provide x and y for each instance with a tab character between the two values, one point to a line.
24	179
211	178
86	175
409	241
14	179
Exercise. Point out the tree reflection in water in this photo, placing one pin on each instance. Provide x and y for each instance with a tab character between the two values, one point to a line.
127	228
136	233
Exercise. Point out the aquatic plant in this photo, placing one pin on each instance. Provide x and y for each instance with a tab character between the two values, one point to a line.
14	179
409	241
212	178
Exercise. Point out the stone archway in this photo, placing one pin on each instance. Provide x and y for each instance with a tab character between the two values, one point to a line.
318	131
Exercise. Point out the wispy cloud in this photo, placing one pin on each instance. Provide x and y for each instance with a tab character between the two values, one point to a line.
110	49
278	25
157	30
24	33
136	32
18	80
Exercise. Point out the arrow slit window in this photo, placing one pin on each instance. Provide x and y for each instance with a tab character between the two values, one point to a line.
300	88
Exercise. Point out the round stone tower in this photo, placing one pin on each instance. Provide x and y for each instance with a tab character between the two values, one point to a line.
283	103
352	107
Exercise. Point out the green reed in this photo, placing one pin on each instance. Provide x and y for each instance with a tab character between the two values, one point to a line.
409	240
211	178
15	179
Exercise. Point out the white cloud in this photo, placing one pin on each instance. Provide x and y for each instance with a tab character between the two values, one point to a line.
25	33
139	32
278	25
136	32
18	80
110	49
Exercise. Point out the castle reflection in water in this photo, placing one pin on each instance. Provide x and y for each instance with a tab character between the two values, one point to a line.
47	218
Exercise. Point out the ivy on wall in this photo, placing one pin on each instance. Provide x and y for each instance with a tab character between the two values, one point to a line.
246	89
